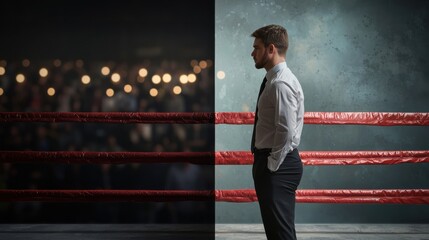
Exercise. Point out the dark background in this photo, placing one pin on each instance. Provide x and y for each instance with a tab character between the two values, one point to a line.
122	30
162	36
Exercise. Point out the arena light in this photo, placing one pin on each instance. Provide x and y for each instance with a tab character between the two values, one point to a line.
197	69
203	64
51	91
153	92
194	63
220	75
25	62
85	79
140	79
2	71
166	78
128	88
192	78
105	70
20	78
177	90
57	63
183	79
116	77
43	72
156	79
143	72
110	92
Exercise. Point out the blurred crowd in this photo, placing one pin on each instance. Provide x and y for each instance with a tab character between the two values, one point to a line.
80	86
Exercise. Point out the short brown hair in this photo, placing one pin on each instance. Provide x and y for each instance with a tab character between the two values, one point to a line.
273	34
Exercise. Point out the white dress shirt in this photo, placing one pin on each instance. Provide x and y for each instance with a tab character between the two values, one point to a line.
280	115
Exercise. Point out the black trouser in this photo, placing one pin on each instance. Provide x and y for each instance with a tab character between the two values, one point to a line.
276	193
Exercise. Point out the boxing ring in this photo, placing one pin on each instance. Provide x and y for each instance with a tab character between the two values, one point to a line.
347	196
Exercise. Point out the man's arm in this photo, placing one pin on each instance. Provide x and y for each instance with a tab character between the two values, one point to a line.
286	107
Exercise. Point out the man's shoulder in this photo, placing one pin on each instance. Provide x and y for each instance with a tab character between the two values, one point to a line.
287	82
285	77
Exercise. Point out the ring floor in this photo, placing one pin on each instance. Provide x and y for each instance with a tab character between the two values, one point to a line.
222	231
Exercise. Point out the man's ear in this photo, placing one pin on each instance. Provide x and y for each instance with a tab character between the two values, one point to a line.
271	48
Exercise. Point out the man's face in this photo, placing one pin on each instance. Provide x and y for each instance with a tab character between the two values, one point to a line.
259	53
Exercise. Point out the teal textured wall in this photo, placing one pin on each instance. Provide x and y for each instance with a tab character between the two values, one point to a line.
350	56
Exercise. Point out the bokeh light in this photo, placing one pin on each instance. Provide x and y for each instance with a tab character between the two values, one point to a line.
116	77
192	78
183	79
166	78
156	79
143	72
177	90
128	88
220	75
43	72
51	91
153	92
105	70
20	78
85	79
110	92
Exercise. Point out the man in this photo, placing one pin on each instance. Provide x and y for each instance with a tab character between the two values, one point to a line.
279	118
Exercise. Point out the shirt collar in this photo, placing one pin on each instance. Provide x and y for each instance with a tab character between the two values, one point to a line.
270	74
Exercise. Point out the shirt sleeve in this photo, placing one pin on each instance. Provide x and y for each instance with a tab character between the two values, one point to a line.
286	107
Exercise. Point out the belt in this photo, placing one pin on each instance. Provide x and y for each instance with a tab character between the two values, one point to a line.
268	150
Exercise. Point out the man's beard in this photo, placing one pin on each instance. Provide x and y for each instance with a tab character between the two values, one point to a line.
263	62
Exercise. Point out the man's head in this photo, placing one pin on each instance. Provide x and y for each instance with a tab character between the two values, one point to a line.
270	43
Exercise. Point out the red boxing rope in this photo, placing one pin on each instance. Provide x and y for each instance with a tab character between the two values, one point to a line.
333	118
108	117
368	118
106	157
384	196
392	196
333	157
105	195
338	118
218	158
